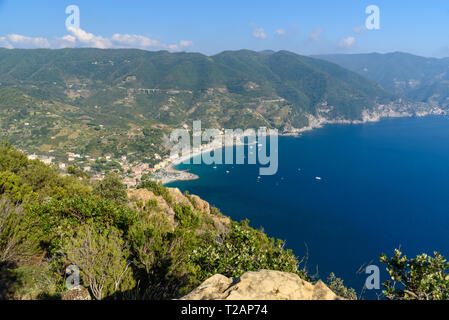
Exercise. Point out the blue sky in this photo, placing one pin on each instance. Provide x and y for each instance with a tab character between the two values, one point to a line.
210	26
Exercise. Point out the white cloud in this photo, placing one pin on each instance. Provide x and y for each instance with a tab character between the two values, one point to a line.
280	32
89	39
69	38
347	42
5	43
134	41
259	33
81	38
315	34
19	41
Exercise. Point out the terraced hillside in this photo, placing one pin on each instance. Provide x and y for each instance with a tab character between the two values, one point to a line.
123	102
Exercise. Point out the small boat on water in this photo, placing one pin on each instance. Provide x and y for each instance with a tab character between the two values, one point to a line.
227	171
318	178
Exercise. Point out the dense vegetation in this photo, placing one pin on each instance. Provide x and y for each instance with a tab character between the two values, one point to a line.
122	102
124	249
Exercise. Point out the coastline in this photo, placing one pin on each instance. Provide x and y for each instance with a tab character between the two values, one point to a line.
168	173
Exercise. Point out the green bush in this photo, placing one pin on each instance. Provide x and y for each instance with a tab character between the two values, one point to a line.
158	189
243	249
420	278
18	237
103	259
338	287
111	188
57	219
14	189
31	179
162	254
186	217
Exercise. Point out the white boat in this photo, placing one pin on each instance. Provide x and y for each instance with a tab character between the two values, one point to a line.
318	178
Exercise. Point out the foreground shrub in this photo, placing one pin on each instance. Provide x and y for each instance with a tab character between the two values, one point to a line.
103	259
23	178
162	254
420	278
111	188
29	282
338	287
58	219
18	241
243	249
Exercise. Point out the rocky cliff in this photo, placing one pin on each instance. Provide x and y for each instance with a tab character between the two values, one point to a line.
194	202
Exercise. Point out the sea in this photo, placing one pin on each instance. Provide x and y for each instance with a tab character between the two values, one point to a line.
344	194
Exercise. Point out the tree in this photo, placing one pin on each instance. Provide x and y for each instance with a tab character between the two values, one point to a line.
17	239
102	257
111	188
420	278
162	253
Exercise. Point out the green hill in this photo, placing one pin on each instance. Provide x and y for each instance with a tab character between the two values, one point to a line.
95	101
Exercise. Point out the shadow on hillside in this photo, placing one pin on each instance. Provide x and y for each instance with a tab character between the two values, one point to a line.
9	281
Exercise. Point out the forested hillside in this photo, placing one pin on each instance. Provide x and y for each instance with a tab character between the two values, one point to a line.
150	243
118	102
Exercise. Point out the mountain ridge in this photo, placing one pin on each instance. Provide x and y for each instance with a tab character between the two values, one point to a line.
123	102
421	79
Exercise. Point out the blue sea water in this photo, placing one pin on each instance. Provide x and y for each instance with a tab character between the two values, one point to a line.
384	185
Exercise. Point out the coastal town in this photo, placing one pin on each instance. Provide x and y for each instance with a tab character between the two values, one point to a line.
132	173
